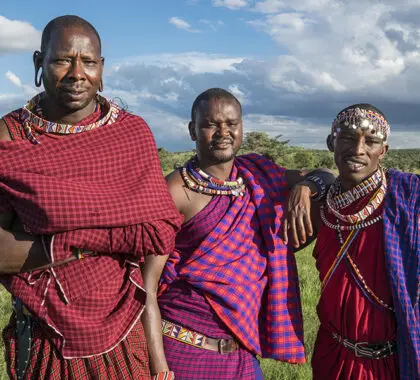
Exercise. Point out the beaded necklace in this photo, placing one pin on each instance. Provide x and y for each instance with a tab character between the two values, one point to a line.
341	200
340	227
34	124
357	225
199	181
367	211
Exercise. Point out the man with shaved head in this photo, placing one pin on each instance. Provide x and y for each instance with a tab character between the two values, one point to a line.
86	223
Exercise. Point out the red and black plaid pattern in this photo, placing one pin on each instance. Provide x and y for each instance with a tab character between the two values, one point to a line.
128	360
101	190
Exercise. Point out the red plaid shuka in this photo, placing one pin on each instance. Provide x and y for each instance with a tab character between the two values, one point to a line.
101	190
128	360
244	269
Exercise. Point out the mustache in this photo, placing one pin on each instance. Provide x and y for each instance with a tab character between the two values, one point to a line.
222	141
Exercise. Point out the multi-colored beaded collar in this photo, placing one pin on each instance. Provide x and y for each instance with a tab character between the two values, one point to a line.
367	211
360	118
34	124
201	182
339	200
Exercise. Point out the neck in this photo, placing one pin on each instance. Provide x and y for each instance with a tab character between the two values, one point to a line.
58	114
347	185
220	170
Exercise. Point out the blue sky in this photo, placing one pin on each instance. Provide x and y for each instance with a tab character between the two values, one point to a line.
293	64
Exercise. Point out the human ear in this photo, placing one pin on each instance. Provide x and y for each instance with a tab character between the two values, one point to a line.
191	129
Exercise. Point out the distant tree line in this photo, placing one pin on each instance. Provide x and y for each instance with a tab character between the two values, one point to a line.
292	157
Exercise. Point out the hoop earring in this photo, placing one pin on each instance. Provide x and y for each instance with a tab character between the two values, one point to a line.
101	86
38	81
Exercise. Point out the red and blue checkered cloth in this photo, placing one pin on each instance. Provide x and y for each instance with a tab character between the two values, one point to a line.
101	190
402	247
244	269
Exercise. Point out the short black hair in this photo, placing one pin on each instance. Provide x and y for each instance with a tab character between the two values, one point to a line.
212	93
65	22
367	107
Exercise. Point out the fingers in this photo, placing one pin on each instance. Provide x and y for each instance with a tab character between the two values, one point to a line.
301	231
308	225
294	231
286	231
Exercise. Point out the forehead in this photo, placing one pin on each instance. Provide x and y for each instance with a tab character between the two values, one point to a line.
74	37
358	132
219	108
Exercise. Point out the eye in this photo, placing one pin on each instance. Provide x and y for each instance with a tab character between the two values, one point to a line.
62	61
89	62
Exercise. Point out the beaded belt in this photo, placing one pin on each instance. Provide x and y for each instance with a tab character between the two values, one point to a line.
368	350
193	338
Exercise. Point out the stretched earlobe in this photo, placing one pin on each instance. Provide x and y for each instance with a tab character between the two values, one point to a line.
101	86
38	80
37	58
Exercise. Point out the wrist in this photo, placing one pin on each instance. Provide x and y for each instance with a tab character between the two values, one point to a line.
320	187
312	188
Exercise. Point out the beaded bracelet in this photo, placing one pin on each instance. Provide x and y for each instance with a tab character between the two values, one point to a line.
165	375
320	185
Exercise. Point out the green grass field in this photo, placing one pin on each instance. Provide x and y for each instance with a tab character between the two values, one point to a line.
309	286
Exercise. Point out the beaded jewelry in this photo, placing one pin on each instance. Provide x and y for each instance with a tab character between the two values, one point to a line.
34	124
354	118
199	181
339	227
341	200
367	211
320	185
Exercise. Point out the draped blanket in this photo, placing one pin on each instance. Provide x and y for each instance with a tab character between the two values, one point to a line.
244	269
101	190
402	247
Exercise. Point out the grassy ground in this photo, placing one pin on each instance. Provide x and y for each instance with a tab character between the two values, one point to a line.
273	370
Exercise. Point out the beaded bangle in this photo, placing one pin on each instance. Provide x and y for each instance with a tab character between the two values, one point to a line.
320	185
164	375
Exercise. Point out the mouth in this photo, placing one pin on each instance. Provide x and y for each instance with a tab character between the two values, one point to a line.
74	93
224	144
354	165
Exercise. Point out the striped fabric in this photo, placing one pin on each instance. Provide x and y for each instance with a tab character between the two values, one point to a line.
189	362
128	360
244	269
402	247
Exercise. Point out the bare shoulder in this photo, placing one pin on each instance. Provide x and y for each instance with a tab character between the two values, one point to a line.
4	131
176	189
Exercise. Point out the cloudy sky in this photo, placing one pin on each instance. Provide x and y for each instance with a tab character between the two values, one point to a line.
293	64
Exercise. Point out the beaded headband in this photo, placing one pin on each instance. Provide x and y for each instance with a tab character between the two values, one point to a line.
353	118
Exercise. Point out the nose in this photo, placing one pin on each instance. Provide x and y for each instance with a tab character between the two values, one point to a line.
77	71
359	147
224	129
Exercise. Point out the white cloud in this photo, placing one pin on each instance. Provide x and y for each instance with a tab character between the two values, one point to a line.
231	4
214	25
13	78
18	35
182	24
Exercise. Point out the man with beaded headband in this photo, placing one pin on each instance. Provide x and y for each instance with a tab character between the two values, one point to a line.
86	223
368	256
230	291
